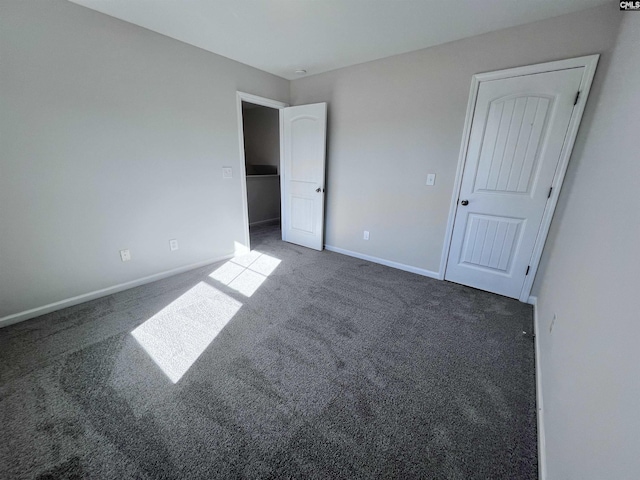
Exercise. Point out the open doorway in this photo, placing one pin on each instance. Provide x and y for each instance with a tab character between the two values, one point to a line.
261	129
298	172
259	125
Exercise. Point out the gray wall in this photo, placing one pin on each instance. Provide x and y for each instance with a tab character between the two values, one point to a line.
262	147
262	136
393	121
263	198
112	137
589	280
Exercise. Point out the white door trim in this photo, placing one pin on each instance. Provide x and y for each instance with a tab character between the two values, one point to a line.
265	102
589	64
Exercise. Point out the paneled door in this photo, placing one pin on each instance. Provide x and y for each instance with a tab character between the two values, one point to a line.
304	140
516	139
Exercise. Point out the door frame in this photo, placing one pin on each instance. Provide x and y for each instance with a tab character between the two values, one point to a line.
589	64
264	102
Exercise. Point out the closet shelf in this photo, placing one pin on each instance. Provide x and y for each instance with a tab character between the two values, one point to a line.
267	175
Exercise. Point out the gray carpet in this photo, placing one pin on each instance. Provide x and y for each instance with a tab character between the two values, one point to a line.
288	363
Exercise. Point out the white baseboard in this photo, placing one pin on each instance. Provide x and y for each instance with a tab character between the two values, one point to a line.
264	222
542	456
382	261
85	297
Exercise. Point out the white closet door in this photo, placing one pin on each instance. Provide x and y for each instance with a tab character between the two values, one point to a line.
304	135
517	135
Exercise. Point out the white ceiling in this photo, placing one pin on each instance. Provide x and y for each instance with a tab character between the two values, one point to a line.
280	36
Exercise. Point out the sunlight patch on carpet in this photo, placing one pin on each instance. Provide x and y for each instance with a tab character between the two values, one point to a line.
246	273
177	335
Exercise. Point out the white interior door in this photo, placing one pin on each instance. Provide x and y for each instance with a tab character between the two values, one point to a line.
517	135
304	131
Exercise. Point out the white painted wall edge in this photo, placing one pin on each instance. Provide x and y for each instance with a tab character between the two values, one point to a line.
382	261
85	297
542	457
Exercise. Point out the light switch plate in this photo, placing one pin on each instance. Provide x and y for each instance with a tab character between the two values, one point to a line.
227	172
431	179
125	255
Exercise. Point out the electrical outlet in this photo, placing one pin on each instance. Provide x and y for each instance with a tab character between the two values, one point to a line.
366	235
227	172
431	179
173	244
125	255
553	322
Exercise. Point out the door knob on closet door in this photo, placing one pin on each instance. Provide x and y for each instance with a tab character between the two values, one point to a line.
318	189
464	203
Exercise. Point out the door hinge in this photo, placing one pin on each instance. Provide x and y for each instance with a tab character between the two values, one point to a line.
527	272
550	190
575	102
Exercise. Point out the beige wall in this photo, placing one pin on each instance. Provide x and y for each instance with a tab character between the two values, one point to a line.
589	280
112	137
393	121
